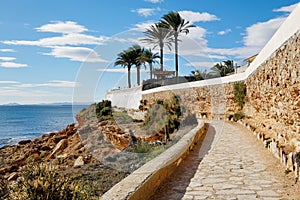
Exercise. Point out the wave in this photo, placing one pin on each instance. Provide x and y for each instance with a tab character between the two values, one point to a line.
13	140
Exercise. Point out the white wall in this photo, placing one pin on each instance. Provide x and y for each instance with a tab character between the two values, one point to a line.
126	98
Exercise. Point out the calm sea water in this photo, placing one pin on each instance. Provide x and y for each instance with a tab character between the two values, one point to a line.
31	121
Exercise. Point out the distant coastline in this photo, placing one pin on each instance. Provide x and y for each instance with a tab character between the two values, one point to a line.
49	104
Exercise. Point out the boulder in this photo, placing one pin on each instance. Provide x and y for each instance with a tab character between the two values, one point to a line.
58	138
79	162
24	142
60	146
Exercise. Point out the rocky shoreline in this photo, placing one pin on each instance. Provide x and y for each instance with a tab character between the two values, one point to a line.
65	151
94	152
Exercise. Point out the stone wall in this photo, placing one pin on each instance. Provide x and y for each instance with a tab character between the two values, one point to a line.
272	102
273	94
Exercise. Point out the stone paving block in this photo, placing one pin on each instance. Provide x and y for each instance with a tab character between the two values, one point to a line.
268	193
231	170
247	197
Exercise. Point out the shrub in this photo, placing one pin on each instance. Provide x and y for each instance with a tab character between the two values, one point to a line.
142	148
42	182
239	90
122	117
104	110
237	116
164	114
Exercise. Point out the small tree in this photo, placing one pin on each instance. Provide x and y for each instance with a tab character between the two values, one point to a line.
239	91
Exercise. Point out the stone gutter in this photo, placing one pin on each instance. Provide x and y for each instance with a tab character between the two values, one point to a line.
143	182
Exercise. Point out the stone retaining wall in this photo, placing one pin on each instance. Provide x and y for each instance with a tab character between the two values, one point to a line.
143	182
272	104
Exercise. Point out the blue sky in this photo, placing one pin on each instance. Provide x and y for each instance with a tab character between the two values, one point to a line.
62	51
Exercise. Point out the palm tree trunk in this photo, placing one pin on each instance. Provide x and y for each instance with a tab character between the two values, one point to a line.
138	74
161	59
176	56
129	81
151	70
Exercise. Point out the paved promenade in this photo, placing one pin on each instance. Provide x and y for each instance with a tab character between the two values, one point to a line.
230	164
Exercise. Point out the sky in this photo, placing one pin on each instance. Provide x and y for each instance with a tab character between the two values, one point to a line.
64	51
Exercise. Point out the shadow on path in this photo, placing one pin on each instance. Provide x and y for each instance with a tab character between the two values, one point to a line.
175	186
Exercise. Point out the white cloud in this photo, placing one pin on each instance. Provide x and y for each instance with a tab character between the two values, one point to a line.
197	16
68	39
286	8
69	44
260	33
146	12
62	27
224	32
53	83
81	54
7	58
7	50
8	82
155	1
12	65
142	26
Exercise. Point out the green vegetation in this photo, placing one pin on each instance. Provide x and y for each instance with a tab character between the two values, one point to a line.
42	182
161	34
177	25
224	68
236	116
239	91
126	58
149	57
144	147
104	110
199	75
164	115
122	117
158	36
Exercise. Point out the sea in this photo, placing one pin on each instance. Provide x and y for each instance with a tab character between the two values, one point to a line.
23	122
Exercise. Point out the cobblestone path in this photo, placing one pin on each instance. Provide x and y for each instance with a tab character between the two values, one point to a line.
230	164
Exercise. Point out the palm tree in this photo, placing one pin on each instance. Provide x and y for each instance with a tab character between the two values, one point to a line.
150	57
178	25
137	52
224	69
126	59
158	36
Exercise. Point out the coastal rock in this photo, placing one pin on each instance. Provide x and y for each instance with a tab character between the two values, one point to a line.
79	162
23	142
58	138
60	146
13	176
